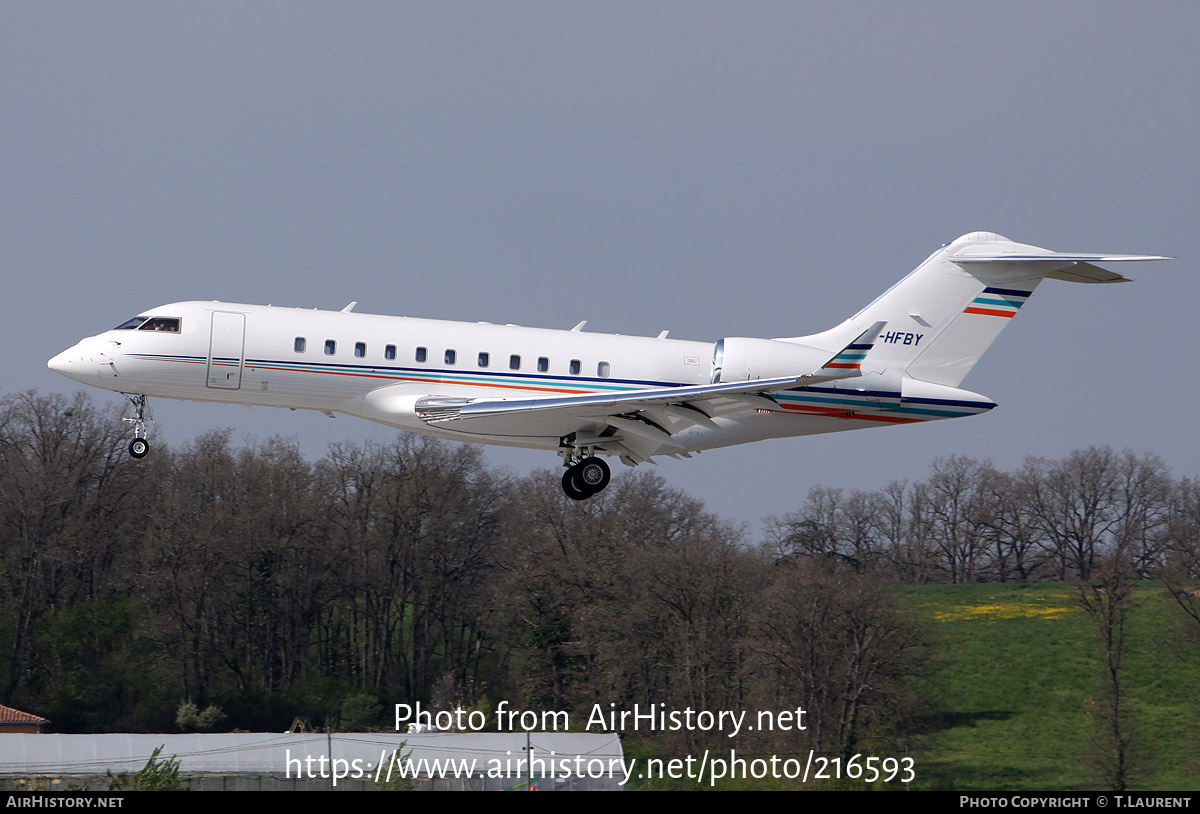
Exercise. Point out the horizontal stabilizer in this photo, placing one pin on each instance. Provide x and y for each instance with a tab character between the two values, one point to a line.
1071	266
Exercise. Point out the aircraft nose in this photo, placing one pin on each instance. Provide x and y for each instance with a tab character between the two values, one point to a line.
65	363
90	361
74	363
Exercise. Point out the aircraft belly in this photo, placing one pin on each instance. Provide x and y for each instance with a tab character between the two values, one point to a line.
523	441
524	425
731	431
762	426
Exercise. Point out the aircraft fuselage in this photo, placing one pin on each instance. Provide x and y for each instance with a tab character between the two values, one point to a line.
338	362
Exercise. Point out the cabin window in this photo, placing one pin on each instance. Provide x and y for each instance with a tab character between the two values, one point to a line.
576	366
484	358
602	370
543	364
451	356
514	362
360	349
300	344
389	352
421	354
330	347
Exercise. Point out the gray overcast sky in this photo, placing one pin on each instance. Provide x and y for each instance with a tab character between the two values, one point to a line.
741	169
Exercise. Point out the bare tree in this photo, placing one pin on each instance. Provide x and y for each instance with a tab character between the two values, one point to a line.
901	537
67	506
960	511
1144	507
831	640
1181	575
1075	505
636	596
1017	551
1108	601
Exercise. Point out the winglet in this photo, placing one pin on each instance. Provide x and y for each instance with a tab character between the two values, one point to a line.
847	363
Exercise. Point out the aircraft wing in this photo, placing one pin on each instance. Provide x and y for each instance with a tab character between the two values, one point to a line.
635	424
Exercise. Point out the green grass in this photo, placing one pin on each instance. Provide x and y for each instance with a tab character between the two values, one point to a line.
1020	662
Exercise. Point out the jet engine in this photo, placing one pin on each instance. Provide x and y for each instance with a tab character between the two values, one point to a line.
739	359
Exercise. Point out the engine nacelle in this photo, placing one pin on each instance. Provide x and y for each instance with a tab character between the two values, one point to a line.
739	359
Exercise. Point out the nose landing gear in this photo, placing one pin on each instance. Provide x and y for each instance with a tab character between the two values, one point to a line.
140	445
586	478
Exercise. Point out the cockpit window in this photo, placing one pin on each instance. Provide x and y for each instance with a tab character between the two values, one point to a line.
144	323
164	324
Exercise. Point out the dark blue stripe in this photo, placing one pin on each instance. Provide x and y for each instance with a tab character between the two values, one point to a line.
1012	292
890	394
987	405
929	411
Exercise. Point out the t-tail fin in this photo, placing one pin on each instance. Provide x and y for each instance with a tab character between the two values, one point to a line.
943	316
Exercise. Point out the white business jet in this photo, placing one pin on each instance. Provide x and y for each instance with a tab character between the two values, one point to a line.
897	361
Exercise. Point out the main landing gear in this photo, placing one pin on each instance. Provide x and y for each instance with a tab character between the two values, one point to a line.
586	478
139	446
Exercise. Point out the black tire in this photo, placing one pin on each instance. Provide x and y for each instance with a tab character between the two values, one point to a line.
572	487
138	447
593	475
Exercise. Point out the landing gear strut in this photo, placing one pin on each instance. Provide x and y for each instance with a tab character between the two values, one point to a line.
585	478
139	446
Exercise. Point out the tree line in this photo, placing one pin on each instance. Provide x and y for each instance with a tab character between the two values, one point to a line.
251	579
971	522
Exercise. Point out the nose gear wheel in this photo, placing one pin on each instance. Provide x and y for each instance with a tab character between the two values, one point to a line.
140	445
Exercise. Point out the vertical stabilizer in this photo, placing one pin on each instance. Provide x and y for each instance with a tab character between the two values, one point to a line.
948	311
